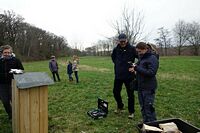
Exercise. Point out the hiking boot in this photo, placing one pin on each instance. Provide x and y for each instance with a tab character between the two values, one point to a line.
131	116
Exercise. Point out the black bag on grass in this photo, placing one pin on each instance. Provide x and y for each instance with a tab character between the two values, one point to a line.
101	111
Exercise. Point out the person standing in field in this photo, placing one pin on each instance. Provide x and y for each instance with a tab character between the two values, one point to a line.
53	66
123	54
146	69
75	67
7	62
69	71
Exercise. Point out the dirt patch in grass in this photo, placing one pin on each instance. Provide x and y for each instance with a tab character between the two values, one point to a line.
176	76
90	68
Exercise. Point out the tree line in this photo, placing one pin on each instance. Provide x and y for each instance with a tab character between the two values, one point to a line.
182	39
30	42
185	36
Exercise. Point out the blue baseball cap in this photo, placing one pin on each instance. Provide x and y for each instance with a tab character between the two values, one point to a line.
122	37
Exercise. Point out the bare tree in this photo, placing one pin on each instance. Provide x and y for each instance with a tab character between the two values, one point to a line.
10	27
130	23
90	50
163	40
103	46
194	36
107	47
180	35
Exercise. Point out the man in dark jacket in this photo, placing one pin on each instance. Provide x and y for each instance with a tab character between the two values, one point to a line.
53	66
123	54
7	62
146	69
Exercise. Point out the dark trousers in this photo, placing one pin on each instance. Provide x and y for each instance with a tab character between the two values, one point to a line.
5	96
57	75
117	94
70	77
76	76
146	100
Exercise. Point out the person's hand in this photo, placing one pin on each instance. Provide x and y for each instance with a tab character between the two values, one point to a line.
131	69
134	65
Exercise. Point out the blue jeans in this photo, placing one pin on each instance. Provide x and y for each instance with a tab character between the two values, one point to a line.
76	76
70	77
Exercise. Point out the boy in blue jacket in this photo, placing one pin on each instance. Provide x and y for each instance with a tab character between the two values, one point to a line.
69	71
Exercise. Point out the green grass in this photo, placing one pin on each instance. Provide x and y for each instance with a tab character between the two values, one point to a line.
177	96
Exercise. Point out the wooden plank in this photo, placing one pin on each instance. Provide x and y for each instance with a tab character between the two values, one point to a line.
24	111
15	107
30	109
34	110
13	104
43	118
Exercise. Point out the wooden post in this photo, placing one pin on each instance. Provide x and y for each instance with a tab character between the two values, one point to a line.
29	109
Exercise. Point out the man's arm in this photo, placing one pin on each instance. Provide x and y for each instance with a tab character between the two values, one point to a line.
113	55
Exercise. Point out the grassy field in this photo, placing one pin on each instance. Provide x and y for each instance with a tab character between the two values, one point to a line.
177	96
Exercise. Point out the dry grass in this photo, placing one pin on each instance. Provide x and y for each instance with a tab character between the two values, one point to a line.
89	68
176	76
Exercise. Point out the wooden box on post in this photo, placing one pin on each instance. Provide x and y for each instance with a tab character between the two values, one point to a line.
30	102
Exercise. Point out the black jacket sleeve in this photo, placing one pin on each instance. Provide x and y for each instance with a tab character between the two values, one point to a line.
19	64
113	55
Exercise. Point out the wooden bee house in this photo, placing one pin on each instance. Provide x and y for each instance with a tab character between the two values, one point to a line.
30	102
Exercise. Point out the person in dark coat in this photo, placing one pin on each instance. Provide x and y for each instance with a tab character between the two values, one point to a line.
7	62
53	66
123	54
69	71
146	69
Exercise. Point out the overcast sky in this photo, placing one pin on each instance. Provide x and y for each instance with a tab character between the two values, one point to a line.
84	22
